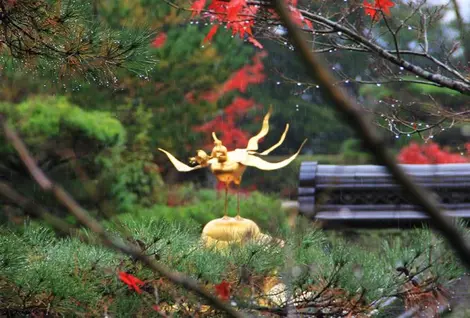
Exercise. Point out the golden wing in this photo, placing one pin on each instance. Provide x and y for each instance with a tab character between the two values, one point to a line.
178	164
253	142
253	161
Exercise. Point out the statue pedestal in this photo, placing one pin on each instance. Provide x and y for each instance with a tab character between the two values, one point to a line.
234	230
229	230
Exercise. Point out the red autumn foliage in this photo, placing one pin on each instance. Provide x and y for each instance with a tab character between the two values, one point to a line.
239	16
159	40
223	290
131	281
373	10
248	74
211	33
197	7
429	153
225	125
231	136
240	80
239	106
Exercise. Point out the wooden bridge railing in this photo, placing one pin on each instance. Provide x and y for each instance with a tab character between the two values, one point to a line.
367	196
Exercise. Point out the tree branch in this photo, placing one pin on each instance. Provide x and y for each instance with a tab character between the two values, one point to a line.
442	80
84	217
354	117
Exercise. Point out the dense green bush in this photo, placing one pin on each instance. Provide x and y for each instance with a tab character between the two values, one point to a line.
41	119
203	205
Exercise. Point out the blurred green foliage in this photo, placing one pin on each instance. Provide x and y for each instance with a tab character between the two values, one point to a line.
187	203
40	119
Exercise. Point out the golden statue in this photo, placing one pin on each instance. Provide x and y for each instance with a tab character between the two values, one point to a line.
228	167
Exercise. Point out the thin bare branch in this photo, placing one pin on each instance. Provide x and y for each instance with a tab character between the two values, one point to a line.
356	119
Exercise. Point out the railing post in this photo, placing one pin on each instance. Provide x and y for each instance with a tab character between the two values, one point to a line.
306	195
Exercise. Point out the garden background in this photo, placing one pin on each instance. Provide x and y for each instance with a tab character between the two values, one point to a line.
97	136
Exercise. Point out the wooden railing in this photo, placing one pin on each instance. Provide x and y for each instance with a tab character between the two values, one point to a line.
367	196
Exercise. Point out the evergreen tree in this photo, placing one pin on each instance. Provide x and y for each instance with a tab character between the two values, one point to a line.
64	38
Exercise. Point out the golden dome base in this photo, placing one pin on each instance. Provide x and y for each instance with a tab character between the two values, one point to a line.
233	230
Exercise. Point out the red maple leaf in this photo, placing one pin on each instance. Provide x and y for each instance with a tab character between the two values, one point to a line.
237	15
131	281
211	33
197	7
159	40
384	5
234	8
373	10
223	290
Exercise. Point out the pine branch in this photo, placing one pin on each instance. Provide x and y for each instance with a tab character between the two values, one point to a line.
60	38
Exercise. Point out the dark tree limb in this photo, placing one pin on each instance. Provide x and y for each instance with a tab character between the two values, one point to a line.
354	117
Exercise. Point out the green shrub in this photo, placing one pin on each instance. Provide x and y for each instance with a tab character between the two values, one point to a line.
42	118
204	205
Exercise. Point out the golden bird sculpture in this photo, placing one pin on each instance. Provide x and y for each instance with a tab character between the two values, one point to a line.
229	166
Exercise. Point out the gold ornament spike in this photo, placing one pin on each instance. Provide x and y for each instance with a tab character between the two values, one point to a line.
253	142
283	136
214	136
229	166
253	161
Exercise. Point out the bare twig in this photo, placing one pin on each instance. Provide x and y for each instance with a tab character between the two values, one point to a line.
371	139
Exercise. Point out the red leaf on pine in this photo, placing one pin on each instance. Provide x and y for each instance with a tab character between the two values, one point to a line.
131	281
159	40
197	7
211	33
223	290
